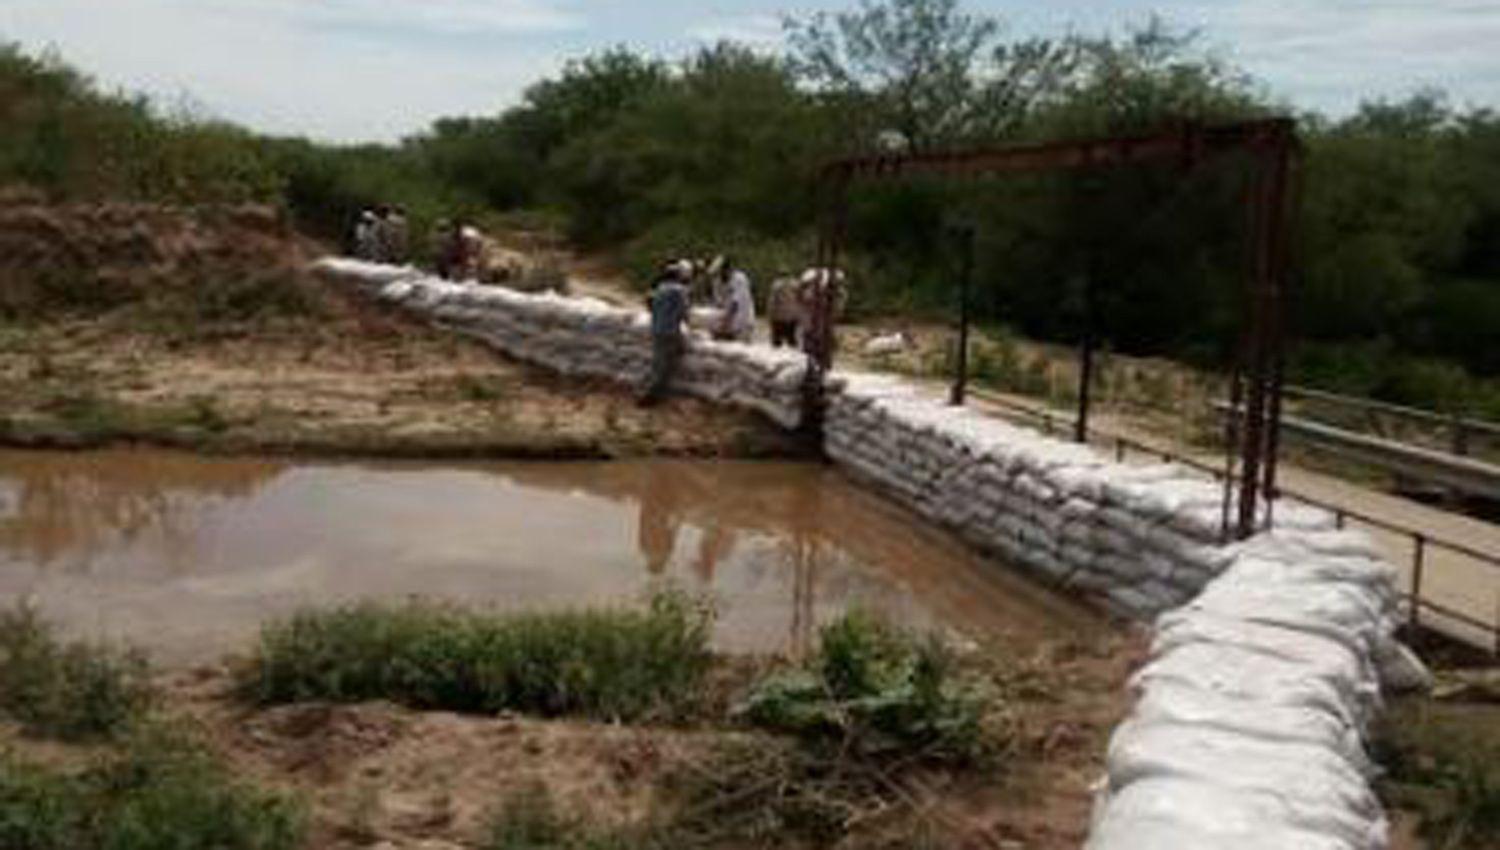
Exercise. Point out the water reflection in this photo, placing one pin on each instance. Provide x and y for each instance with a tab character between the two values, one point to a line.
187	555
63	509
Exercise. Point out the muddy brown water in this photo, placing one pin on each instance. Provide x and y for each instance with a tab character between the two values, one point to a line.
185	556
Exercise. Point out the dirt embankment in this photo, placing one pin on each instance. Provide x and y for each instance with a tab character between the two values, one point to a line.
200	328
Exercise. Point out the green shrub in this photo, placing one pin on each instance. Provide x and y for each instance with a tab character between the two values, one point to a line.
877	689
166	792
67	690
39	809
158	792
606	663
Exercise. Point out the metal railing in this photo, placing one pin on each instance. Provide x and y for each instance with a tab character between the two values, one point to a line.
1423	543
1456	473
1460	428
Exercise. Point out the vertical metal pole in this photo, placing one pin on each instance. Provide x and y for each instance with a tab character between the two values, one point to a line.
818	341
1284	228
1418	564
1231	442
1270	209
1086	368
965	276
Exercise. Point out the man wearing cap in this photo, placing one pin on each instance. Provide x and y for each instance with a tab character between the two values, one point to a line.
669	313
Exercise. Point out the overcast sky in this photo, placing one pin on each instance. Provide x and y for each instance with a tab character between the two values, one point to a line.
379	69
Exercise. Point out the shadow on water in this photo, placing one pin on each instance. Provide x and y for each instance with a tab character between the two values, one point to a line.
186	555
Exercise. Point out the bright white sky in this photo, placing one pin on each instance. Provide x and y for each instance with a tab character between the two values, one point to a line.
355	70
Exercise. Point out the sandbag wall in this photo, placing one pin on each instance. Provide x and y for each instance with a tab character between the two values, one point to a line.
1144	539
1252	715
587	337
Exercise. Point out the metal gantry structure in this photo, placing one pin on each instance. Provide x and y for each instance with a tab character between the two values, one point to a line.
1253	424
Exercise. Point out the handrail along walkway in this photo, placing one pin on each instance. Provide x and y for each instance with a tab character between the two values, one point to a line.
1422	542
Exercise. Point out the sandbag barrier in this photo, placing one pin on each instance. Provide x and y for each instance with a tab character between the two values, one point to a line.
1250	725
587	337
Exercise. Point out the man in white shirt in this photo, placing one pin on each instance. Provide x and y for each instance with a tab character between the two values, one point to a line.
738	323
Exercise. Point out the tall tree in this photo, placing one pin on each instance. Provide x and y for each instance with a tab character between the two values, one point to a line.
932	73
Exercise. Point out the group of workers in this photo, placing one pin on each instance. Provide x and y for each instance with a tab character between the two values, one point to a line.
381	235
792	304
457	249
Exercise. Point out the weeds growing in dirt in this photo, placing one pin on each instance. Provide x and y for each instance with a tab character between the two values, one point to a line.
156	792
1443	762
67	690
878	690
609	664
529	820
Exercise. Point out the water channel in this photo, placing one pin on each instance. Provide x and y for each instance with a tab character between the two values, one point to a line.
185	555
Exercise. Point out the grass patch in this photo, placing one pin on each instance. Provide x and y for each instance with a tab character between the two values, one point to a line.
70	691
607	664
877	691
156	792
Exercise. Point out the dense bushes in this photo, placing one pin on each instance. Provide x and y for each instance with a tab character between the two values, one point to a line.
608	664
68	140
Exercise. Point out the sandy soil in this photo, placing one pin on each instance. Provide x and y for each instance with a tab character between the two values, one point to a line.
378	775
201	327
363	381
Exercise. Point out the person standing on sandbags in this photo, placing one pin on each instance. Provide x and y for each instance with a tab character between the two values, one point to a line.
365	247
738	322
669	313
784	308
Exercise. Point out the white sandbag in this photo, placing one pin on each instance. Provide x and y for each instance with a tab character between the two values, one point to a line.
1400	670
1181	629
1331	794
1186	704
1244	674
1177	814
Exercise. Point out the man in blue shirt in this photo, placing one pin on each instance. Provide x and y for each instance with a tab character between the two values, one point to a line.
669	312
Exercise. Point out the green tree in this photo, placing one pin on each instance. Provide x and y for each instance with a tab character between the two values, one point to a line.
925	70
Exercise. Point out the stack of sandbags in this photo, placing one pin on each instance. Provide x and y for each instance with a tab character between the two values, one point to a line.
588	337
1250	728
1145	538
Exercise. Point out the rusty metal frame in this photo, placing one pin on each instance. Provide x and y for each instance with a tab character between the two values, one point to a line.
1253	429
